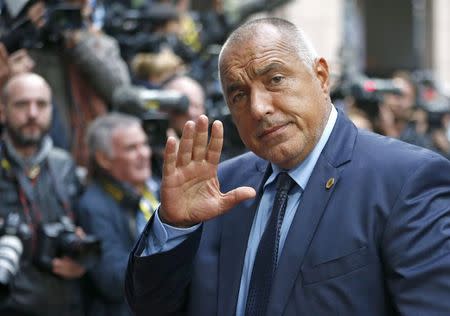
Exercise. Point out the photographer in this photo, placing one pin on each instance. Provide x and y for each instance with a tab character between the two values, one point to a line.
82	64
38	186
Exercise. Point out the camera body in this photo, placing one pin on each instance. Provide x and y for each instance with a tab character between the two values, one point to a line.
367	93
60	16
14	238
59	239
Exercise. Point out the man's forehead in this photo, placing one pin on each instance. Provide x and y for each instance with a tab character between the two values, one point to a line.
26	81
23	89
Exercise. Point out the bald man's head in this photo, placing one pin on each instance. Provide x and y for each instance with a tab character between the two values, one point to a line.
26	111
296	39
23	78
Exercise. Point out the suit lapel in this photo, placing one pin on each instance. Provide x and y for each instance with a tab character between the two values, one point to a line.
312	206
237	225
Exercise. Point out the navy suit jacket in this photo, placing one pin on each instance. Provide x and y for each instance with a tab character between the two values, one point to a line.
376	242
101	215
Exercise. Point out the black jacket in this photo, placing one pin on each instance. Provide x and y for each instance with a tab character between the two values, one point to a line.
34	290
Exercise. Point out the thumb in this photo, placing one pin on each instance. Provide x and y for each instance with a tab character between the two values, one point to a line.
236	196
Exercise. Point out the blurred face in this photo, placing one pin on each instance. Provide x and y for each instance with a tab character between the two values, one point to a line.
196	103
130	161
401	105
279	105
28	110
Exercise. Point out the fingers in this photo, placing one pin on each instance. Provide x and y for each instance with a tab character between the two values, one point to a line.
36	14
186	143
200	139
236	196
170	157
215	143
3	54
4	65
193	145
67	268
20	62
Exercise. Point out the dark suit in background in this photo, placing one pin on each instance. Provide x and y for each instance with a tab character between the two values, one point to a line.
100	214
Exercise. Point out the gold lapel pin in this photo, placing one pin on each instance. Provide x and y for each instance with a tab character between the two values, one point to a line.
329	183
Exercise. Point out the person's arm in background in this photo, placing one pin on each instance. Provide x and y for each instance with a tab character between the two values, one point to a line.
97	56
4	66
13	58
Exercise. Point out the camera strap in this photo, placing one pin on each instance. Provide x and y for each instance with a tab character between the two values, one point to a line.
26	180
53	167
24	190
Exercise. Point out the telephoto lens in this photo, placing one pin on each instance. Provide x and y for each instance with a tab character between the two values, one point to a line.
11	249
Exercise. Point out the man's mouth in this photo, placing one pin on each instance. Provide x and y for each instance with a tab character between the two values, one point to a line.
267	132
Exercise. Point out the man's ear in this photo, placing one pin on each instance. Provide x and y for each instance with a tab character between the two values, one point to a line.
103	160
323	74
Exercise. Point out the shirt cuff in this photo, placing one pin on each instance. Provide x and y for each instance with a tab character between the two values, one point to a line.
164	237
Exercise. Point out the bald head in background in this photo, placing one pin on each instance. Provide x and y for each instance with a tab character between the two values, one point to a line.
26	111
196	95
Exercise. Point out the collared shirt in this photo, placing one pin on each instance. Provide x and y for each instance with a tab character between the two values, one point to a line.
300	175
164	237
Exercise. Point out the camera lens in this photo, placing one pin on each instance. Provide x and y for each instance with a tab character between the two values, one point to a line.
10	251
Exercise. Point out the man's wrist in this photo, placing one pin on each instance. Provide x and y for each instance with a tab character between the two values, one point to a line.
175	224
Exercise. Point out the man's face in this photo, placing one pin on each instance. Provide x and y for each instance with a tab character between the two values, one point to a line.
279	106
28	110
401	105
130	161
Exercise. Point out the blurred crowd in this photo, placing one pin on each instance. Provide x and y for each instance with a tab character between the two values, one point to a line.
409	106
90	90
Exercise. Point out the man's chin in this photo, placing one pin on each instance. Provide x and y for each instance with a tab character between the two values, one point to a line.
26	141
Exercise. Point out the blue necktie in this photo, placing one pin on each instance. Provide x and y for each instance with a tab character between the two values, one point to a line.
267	253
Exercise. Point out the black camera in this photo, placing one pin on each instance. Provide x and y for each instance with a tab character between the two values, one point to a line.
431	99
368	93
152	107
14	237
59	18
59	239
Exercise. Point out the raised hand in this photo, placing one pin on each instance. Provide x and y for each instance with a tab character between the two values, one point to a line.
190	191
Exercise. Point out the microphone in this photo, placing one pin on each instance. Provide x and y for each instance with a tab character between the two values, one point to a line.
138	101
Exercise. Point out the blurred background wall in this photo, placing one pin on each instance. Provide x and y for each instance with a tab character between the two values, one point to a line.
378	37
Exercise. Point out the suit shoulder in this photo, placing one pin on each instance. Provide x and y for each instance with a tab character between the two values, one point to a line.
61	155
392	154
94	197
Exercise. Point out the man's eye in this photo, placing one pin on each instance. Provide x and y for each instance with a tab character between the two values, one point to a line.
43	104
237	97
277	79
21	105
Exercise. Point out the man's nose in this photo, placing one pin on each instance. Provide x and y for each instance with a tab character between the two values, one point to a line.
33	109
144	151
261	103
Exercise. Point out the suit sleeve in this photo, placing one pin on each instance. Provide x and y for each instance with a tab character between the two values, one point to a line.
108	274
416	242
159	284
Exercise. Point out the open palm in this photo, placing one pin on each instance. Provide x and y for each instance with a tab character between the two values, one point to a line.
190	191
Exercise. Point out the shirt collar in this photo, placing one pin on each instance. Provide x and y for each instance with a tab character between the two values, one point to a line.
303	171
